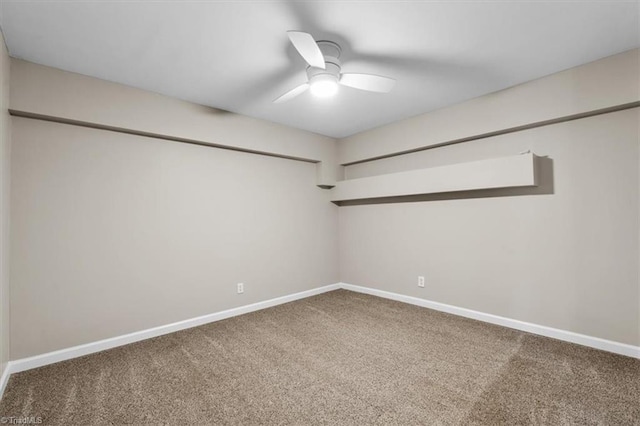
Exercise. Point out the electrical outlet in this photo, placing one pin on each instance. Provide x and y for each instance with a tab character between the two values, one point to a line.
240	288
420	281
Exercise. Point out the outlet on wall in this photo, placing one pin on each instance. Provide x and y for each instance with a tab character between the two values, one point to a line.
420	281
240	288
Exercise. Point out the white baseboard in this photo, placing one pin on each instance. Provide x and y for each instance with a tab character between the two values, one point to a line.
101	345
567	336
4	379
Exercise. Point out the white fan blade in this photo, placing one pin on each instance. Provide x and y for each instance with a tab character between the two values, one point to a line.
370	82
307	47
292	93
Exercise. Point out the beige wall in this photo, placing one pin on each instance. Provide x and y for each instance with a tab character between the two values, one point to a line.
49	92
598	85
5	154
564	255
115	233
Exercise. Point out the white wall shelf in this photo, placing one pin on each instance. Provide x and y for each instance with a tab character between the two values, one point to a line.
504	172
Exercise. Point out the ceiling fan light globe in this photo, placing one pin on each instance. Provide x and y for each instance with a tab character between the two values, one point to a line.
323	86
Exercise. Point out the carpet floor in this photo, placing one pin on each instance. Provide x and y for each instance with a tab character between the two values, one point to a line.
337	358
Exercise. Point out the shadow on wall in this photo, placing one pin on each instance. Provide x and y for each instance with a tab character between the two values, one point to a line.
545	187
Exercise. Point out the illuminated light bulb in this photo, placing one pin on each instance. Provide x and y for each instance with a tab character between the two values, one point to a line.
323	85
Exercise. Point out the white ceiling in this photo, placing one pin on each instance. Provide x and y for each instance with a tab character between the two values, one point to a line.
235	55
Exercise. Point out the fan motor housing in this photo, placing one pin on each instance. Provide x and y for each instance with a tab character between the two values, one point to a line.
329	48
332	68
331	52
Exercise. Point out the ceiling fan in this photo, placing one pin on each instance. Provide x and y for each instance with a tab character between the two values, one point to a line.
324	70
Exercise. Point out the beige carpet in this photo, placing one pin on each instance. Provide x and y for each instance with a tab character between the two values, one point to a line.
337	358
